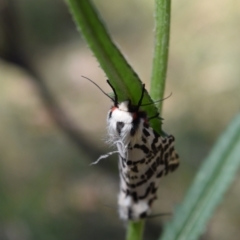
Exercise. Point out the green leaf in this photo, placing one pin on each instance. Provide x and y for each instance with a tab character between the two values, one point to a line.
120	74
208	188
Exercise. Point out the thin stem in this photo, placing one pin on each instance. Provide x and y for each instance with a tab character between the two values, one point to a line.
160	58
135	230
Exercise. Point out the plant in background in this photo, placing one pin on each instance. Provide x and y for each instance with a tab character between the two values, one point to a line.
219	168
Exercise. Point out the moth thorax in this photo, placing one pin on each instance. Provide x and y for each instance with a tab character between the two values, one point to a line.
123	106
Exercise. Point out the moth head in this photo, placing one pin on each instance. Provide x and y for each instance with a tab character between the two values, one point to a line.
127	106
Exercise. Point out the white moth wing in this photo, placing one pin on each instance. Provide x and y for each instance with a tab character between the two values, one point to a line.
144	157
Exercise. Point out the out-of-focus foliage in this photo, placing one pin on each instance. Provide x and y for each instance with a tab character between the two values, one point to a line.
47	188
208	188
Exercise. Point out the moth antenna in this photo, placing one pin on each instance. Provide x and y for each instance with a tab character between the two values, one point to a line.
115	100
99	88
141	98
157	100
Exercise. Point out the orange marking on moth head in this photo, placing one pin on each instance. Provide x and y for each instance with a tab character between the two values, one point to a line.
113	108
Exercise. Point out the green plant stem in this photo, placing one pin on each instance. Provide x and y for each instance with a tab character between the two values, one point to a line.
160	61
160	58
135	230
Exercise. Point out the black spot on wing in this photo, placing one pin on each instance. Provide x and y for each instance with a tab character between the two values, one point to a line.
130	162
132	194
145	132
173	167
144	139
166	155
160	174
134	128
171	138
165	148
142	147
171	150
129	213
164	140
134	169
151	189
143	215
154	142
149	173
150	158
120	125
134	177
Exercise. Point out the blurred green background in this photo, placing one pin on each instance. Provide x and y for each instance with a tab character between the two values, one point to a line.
52	121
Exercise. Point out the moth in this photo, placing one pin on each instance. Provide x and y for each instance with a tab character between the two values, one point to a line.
144	156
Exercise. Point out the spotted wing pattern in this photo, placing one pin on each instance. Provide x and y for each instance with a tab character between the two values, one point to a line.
146	159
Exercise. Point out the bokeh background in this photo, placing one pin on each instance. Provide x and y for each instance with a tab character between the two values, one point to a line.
52	121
